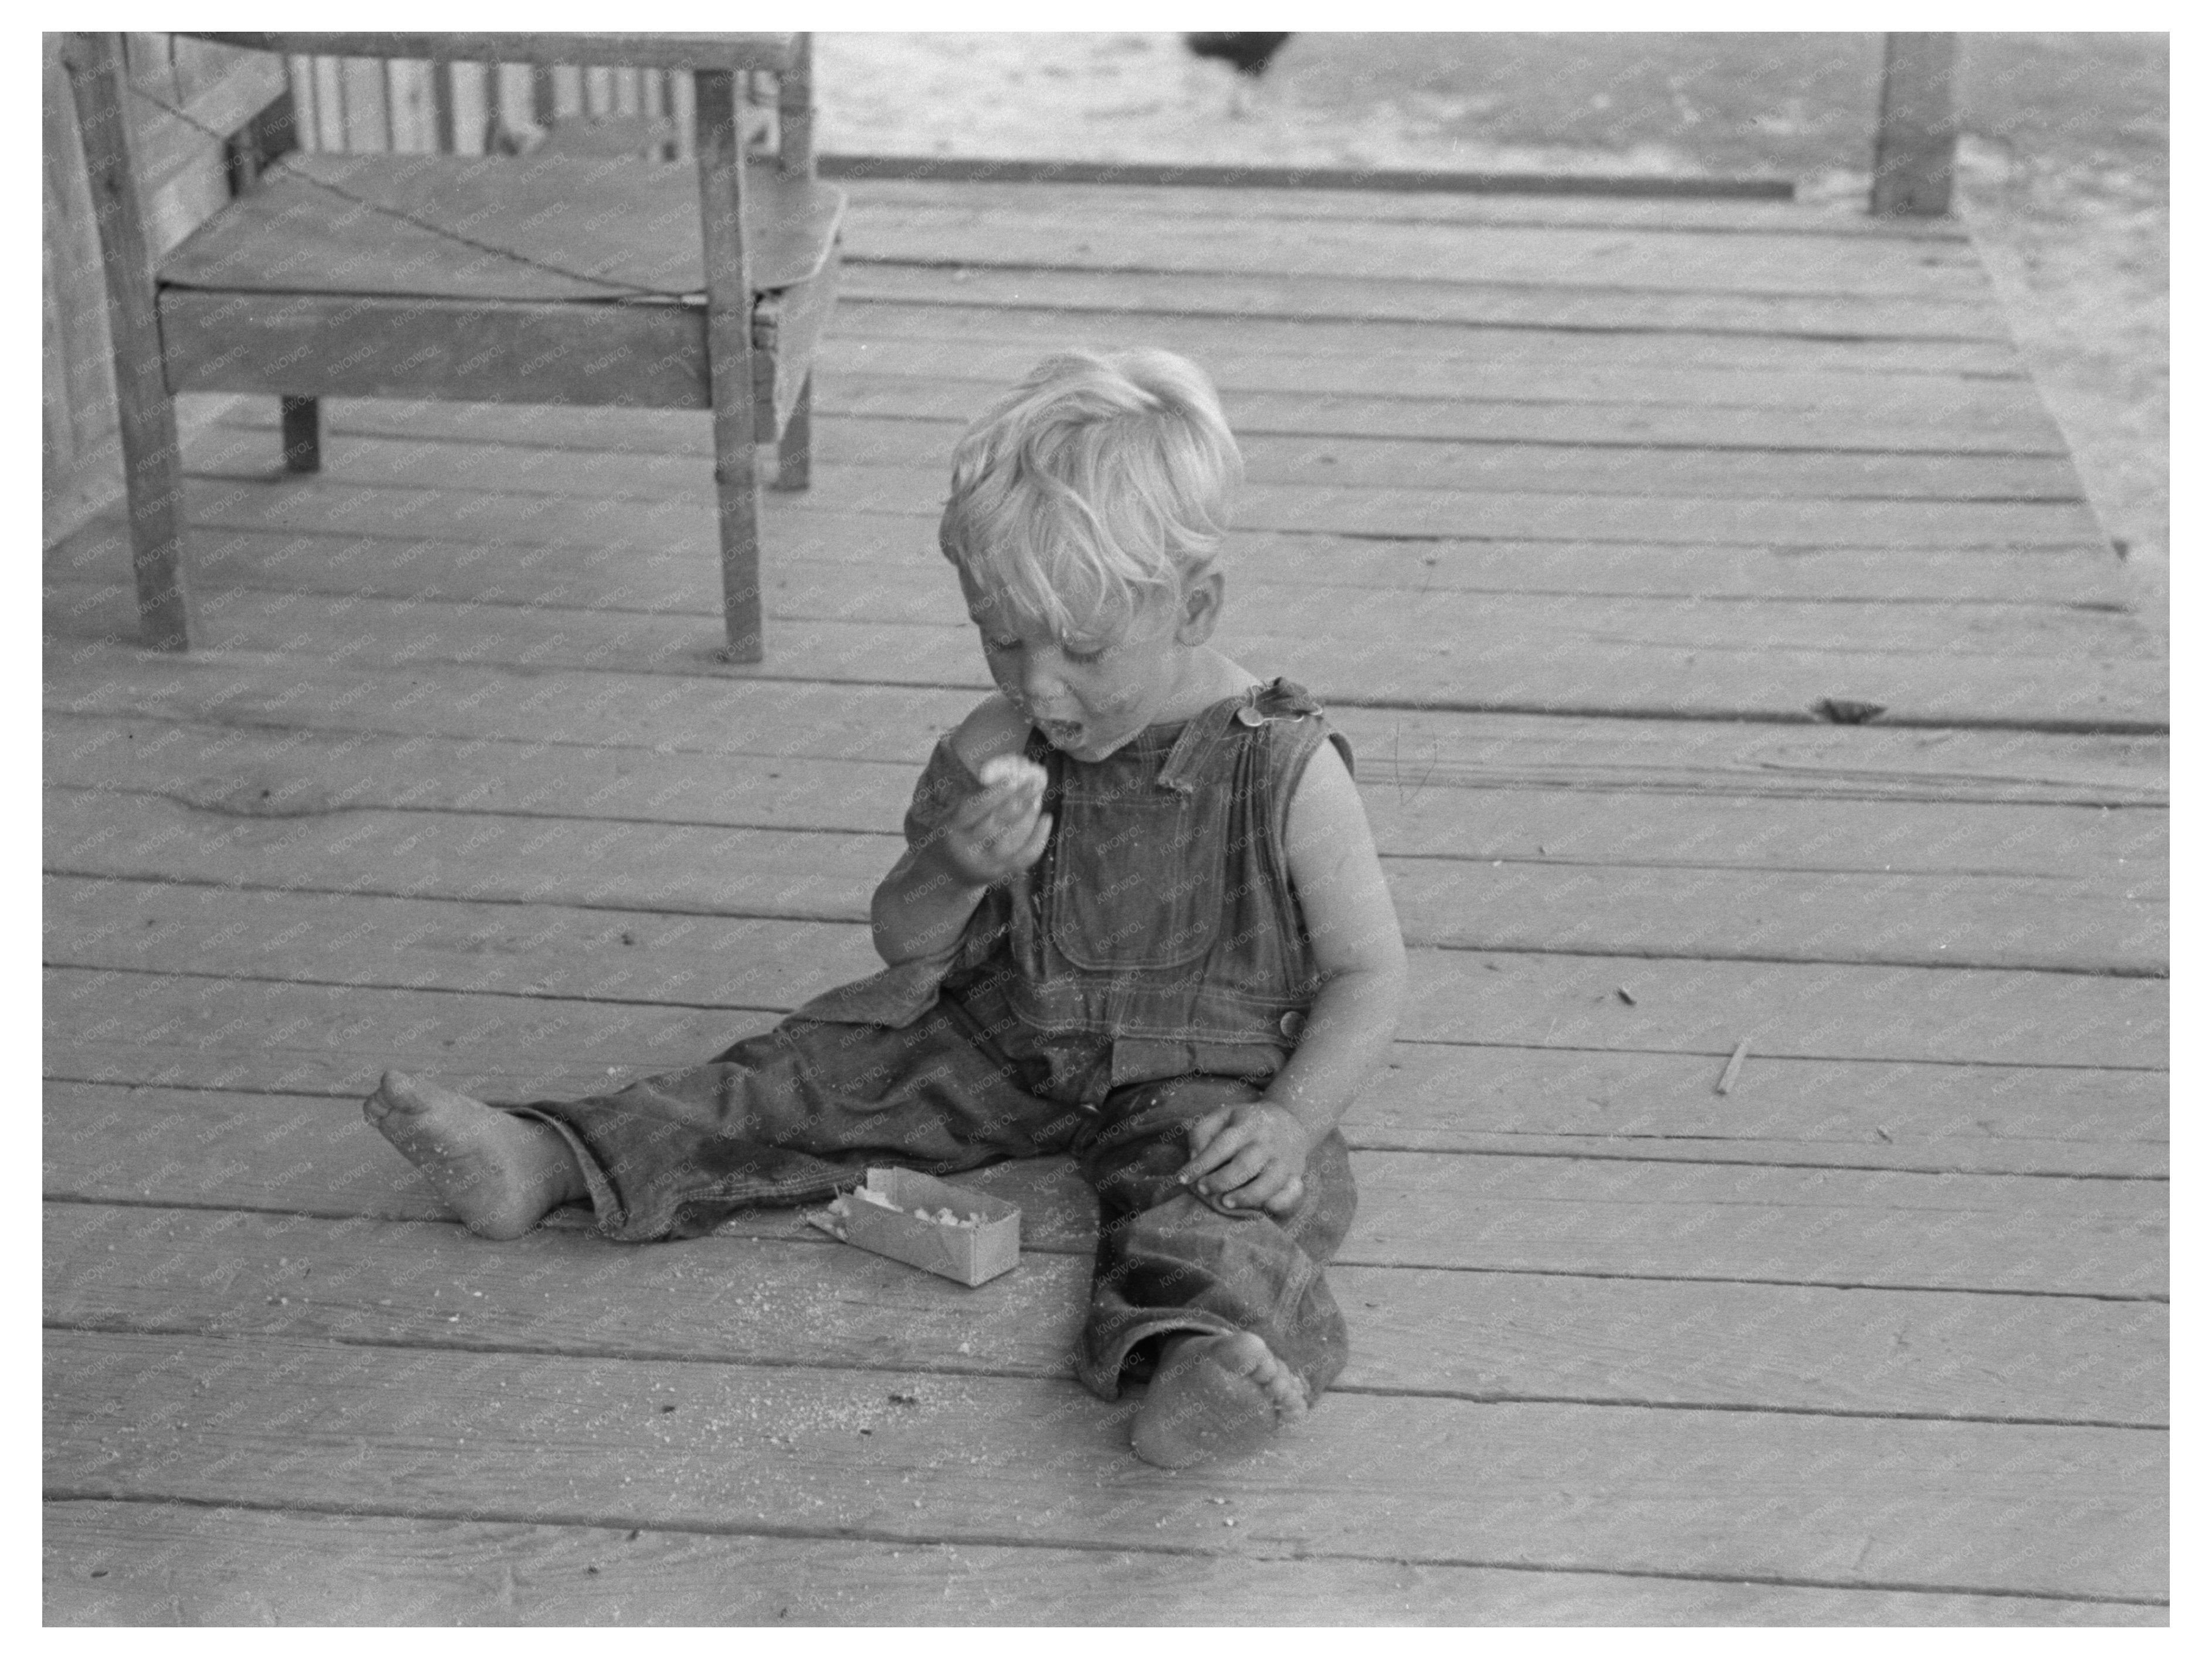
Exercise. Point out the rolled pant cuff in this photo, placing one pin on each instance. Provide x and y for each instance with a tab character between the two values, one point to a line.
1099	1368
607	1211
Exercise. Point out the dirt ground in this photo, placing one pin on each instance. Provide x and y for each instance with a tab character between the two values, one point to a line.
2063	174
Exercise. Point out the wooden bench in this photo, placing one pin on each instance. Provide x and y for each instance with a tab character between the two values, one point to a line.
554	278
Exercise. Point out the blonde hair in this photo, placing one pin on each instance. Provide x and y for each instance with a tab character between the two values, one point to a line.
1098	478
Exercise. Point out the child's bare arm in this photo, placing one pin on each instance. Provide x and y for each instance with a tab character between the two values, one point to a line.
1255	1154
921	906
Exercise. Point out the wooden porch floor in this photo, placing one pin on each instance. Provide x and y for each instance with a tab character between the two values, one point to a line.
1571	509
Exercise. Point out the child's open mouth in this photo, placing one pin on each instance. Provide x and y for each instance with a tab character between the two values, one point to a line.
1062	732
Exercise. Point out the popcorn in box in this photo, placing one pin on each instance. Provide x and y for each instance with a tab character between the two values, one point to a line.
927	1223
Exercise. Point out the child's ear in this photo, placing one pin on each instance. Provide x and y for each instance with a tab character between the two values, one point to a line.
1201	609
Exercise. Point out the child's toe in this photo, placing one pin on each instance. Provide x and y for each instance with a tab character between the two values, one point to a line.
1247	1355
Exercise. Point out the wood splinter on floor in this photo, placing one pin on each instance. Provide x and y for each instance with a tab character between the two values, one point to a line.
1733	1066
1843	711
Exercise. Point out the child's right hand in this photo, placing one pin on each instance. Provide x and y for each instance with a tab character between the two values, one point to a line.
999	829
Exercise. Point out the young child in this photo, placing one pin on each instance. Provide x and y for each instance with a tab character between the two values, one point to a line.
1139	918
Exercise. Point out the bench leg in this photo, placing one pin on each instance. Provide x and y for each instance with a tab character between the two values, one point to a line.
145	413
794	450
303	434
154	495
730	357
736	491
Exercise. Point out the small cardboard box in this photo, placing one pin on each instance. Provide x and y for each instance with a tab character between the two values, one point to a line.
970	1255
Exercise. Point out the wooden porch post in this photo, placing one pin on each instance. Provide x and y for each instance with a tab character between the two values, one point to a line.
1917	130
794	114
730	354
146	419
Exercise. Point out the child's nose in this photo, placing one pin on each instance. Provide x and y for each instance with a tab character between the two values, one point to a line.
1040	685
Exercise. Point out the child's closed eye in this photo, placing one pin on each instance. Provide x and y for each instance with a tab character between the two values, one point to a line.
1070	653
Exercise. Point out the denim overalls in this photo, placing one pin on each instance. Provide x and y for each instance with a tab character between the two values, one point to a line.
1150	967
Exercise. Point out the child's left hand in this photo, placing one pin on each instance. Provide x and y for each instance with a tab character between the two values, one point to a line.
1249	1156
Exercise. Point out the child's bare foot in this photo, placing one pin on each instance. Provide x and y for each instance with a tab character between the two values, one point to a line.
1214	1396
501	1172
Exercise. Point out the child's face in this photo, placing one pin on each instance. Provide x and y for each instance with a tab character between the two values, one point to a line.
1089	694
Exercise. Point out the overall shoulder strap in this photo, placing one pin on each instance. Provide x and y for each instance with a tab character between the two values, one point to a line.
1282	700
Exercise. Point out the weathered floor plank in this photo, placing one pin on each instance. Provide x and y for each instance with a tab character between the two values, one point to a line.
1968	1507
1865	636
1828	1012
1967	1120
1061	236
804	1301
725	715
1469	1095
1557	652
1242	345
984	285
929	369
1426	804
1537	499
1267	396
1629	1220
1438	364
1572	1099
242	448
151	1563
245	832
1217	205
1582	407
1422	805
905	581
1553	662
422	590
1375	403
667	572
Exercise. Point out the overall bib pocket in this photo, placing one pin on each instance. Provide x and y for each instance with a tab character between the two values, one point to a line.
1136	877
